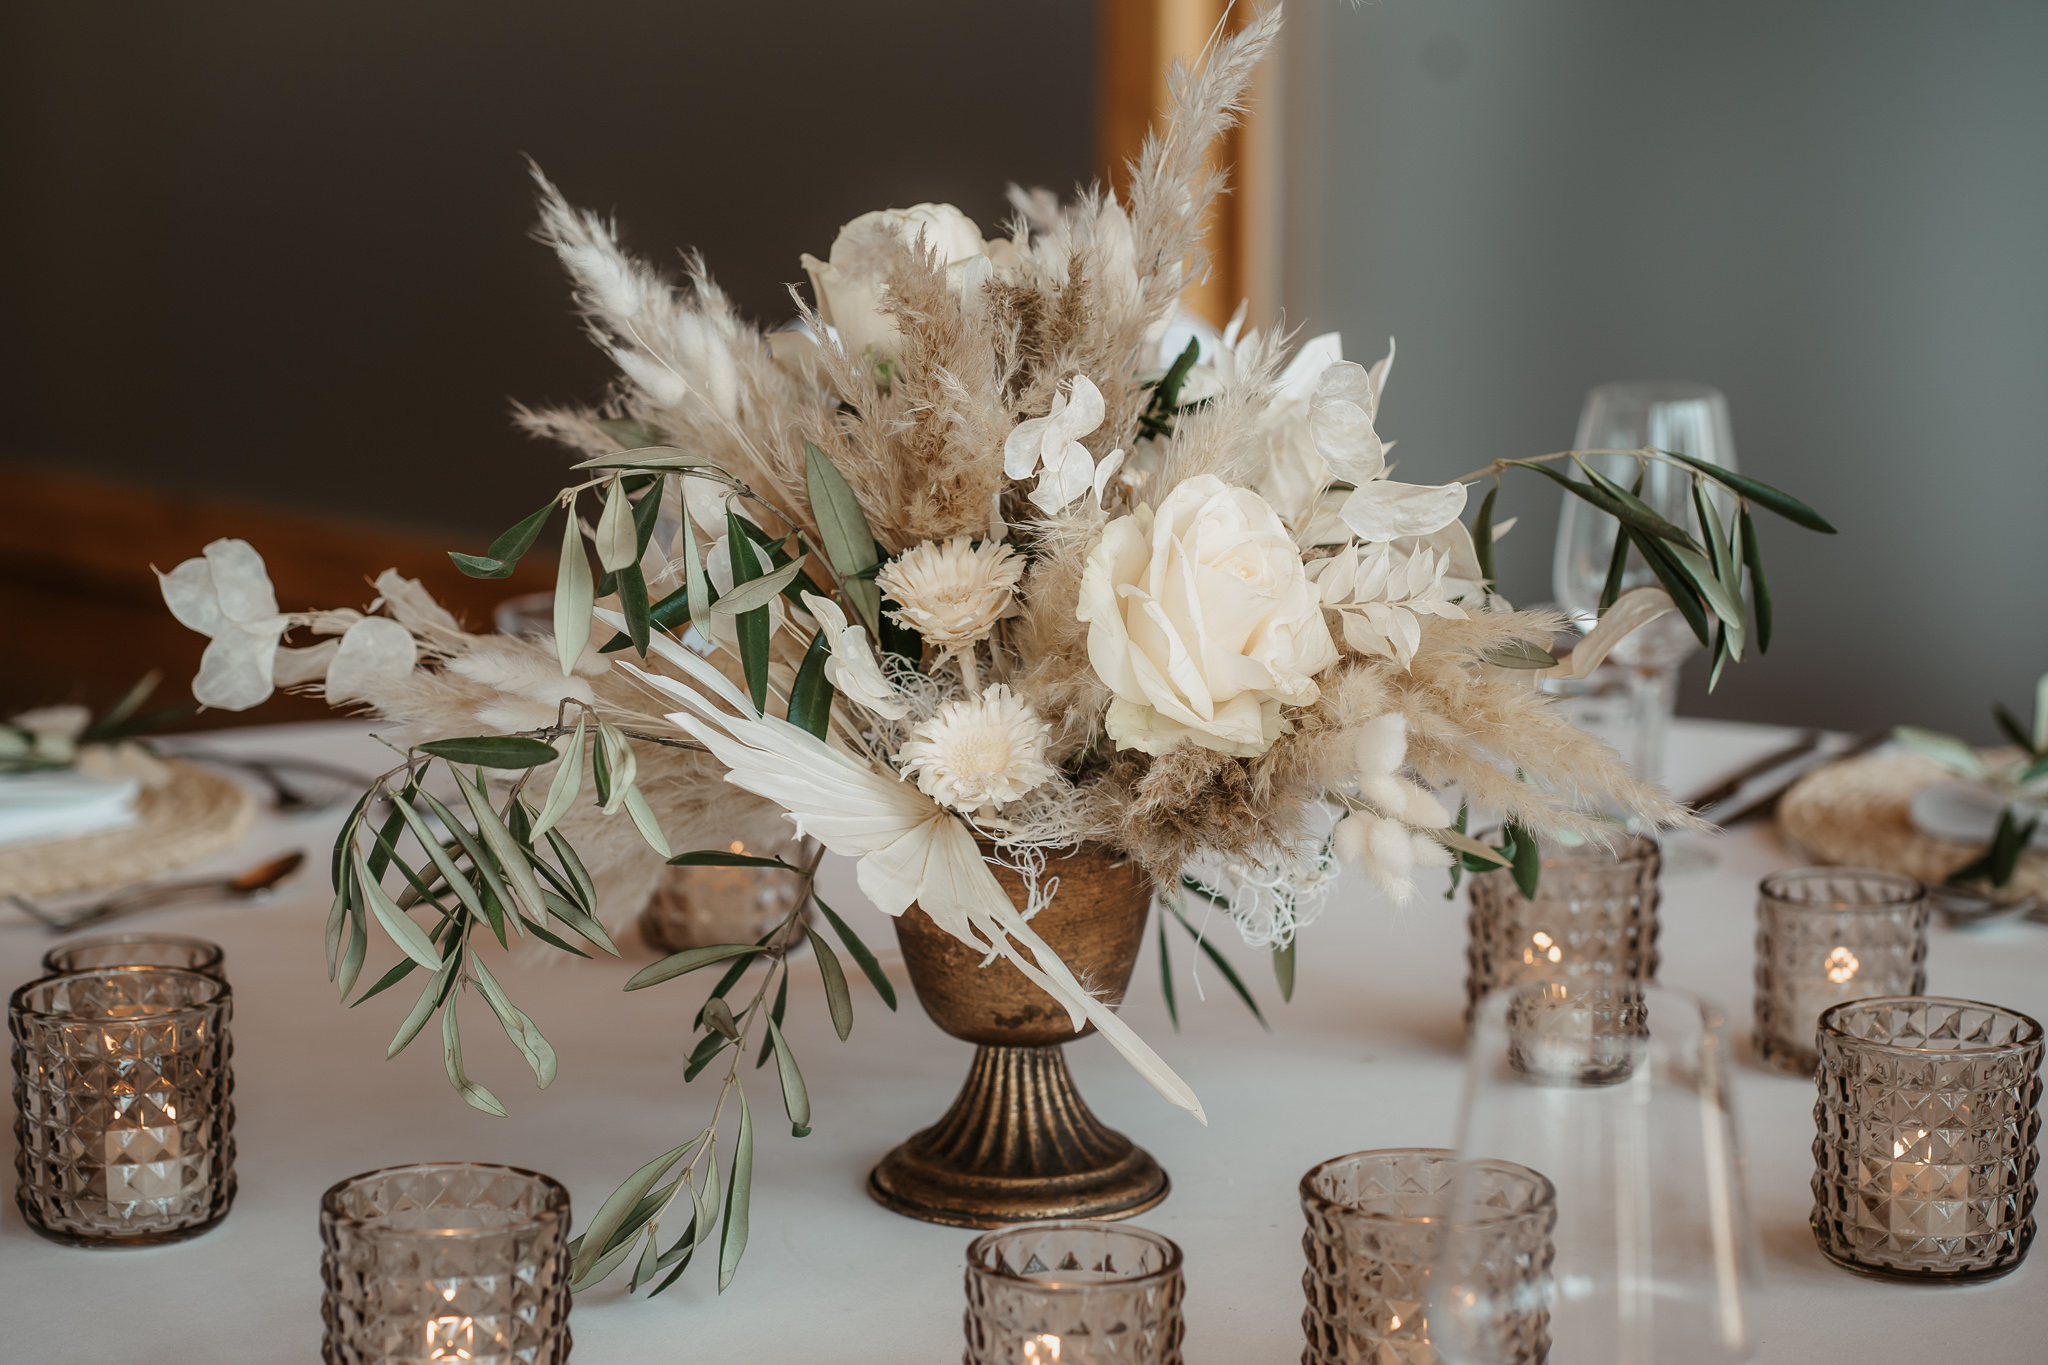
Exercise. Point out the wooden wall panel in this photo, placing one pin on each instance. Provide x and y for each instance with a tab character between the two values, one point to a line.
83	618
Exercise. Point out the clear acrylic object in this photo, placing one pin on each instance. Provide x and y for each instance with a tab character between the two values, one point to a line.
1655	1258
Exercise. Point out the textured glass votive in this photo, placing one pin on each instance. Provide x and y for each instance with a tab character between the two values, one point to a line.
123	1105
1594	918
694	907
1585	1032
1079	1293
1924	1155
1829	934
1377	1222
442	1262
137	950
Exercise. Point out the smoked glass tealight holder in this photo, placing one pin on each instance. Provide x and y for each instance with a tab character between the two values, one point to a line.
1074	1292
137	950
443	1262
124	1108
1829	934
694	907
1377	1224
1926	1121
1594	918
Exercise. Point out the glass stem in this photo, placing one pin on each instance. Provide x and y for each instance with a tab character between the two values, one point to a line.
1653	696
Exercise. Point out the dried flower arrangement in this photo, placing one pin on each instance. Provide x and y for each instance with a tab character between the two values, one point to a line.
982	560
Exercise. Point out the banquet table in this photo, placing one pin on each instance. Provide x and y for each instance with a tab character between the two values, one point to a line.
1368	1054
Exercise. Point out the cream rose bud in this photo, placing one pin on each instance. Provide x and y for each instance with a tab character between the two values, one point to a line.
849	285
1201	622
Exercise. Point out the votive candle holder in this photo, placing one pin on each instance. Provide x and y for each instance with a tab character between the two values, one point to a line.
1829	934
445	1261
1593	918
1378	1223
137	950
1924	1153
1073	1292
124	1105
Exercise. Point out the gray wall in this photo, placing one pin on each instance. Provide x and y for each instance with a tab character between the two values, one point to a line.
1836	212
281	250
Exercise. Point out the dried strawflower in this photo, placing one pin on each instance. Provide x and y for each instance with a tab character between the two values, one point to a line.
979	753
953	594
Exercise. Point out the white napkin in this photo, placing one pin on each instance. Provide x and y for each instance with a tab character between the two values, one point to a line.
58	805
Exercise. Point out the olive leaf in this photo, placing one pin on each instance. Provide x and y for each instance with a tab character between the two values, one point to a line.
739	1198
493	751
614	538
796	1100
752	626
532	1044
863	958
849	543
1210	951
431	998
760	592
1762	494
506	551
837	997
1482	534
643	819
409	937
1520	654
575	594
568	783
597	1237
1947	750
689	960
475	1095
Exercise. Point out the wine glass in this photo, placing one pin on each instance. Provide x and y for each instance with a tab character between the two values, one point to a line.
1690	419
1618	1095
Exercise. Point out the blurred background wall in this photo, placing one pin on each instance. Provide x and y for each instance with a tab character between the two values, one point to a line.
1833	210
273	259
282	250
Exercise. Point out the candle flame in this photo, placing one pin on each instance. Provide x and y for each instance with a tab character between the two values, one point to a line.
739	846
1044	1346
1841	966
442	1334
1546	947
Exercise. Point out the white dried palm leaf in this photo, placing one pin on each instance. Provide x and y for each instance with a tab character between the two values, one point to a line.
909	849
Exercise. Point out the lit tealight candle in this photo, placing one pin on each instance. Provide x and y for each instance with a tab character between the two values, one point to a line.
1043	1347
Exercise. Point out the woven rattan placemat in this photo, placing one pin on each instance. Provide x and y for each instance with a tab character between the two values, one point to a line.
194	813
1856	813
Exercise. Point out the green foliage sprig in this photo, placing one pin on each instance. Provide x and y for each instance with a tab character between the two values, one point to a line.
2024	779
1704	580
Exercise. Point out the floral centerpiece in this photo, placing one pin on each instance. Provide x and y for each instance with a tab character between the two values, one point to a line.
985	558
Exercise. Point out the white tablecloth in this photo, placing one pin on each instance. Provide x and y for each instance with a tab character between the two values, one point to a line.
1367	1055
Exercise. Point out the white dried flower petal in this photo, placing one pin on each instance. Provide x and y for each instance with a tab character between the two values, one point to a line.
376	653
294	666
953	594
234	673
852	668
984	752
66	722
188	592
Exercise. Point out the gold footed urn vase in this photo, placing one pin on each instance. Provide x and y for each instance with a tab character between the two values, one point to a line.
1020	1143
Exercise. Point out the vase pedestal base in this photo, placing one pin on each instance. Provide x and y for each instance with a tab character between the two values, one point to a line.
1019	1144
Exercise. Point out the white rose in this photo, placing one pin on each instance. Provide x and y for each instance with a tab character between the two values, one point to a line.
1202	622
849	285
